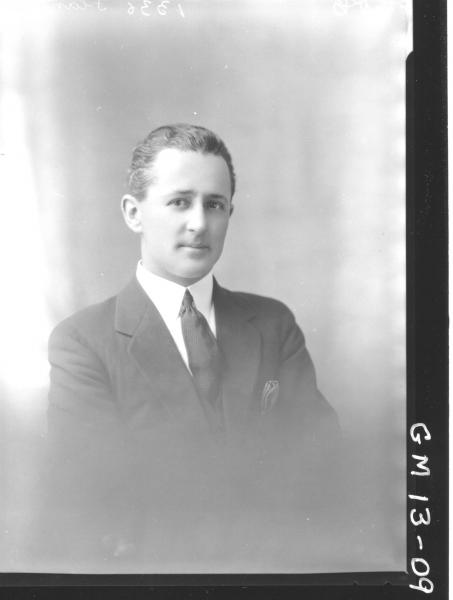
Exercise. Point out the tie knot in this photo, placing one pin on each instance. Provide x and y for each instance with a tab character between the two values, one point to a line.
187	303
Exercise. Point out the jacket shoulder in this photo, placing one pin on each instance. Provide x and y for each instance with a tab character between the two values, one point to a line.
92	322
262	306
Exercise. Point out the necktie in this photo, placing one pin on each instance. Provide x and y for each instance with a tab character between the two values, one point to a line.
204	359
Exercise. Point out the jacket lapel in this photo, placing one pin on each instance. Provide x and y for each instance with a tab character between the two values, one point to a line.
240	345
153	349
158	359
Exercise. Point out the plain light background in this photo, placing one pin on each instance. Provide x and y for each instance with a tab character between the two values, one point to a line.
309	98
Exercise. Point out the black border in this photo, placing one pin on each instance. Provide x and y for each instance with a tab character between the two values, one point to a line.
427	382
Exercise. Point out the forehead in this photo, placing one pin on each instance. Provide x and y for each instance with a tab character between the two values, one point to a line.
175	169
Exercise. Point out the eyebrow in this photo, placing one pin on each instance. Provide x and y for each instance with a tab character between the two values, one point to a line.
191	193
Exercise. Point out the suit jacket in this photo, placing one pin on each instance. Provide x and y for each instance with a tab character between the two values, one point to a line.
129	441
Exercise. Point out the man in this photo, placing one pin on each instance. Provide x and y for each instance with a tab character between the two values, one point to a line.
177	405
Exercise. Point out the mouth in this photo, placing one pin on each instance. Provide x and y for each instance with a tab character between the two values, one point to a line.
195	246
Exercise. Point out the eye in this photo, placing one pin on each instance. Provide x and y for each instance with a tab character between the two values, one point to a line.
179	202
216	204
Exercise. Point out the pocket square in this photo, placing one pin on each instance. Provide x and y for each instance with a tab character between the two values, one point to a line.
270	395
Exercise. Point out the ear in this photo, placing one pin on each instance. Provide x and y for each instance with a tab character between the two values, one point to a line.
130	207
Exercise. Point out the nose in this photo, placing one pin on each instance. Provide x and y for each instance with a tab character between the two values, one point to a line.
196	218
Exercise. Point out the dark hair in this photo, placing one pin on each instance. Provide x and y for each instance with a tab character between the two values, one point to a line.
181	136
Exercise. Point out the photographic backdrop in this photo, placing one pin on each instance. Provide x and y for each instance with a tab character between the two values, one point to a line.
310	99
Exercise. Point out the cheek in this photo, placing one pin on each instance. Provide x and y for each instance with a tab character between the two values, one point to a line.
157	228
219	224
221	229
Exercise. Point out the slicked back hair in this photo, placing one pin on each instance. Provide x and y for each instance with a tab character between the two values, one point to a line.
181	136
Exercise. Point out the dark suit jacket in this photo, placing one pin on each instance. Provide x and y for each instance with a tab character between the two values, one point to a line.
128	435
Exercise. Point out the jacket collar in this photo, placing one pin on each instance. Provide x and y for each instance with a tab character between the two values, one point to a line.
132	304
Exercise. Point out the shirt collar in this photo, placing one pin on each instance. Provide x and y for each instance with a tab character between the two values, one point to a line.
167	295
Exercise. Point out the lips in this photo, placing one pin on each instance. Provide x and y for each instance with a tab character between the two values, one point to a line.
195	246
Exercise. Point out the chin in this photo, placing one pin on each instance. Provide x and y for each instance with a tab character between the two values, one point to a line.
194	275
197	272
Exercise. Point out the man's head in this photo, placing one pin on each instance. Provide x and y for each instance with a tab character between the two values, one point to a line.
181	184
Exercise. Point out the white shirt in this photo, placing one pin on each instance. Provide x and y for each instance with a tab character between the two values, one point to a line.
167	297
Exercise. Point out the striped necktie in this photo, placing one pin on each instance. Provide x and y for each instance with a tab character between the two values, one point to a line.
204	357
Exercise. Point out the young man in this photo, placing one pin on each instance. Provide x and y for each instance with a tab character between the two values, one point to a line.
177	403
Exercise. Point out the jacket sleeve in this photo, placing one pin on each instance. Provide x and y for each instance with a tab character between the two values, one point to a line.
300	392
88	492
79	383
